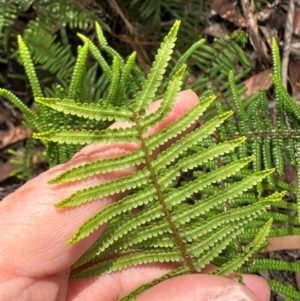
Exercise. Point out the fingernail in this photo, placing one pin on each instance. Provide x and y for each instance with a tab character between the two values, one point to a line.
236	294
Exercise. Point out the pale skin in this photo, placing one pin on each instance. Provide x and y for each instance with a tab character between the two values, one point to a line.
35	260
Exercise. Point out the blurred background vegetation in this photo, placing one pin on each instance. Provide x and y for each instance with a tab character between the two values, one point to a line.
49	29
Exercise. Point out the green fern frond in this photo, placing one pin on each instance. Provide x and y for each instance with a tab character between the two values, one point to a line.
103	42
152	143
230	192
251	249
276	59
89	136
183	216
280	232
52	55
97	55
289	103
28	114
184	57
197	249
161	162
287	290
159	235
99	166
188	203
263	264
78	72
125	77
240	112
167	102
29	67
8	15
171	200
113	97
209	255
155	76
87	110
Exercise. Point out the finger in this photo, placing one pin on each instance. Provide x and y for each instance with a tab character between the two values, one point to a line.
34	234
113	286
258	285
198	287
202	287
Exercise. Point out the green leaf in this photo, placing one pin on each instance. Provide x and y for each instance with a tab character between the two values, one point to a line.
172	199
167	102
29	68
276	59
151	84
138	258
250	250
78	71
87	110
89	136
286	290
99	166
152	143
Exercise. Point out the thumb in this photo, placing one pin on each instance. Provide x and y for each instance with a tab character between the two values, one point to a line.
29	218
203	287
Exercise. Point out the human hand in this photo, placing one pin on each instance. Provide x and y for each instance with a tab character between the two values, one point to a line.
35	260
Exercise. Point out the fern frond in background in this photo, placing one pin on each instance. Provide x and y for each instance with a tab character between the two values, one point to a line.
275	144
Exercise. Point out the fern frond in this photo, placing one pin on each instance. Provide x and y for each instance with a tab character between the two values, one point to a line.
78	71
150	86
171	199
29	68
197	249
200	208
125	77
99	166
161	162
152	143
52	55
184	57
280	232
9	13
167	102
251	249
202	262
290	104
97	55
188	203
89	136
183	216
103	42
158	235
262	264
28	114
287	290
87	110
113	97
276	59
241	114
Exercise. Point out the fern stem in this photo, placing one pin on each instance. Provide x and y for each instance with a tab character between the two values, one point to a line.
166	211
